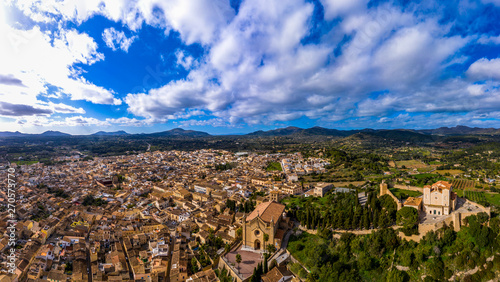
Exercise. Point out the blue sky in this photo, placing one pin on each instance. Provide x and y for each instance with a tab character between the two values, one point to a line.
229	66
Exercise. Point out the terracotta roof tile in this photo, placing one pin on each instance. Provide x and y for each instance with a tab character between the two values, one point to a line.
267	211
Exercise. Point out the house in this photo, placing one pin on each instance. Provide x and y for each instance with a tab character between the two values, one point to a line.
413	203
278	274
321	188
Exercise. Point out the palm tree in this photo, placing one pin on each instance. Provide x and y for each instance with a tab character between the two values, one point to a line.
238	260
271	248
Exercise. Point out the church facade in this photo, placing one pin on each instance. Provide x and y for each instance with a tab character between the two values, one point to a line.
267	218
439	199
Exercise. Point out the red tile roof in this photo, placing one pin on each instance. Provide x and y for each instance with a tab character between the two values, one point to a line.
267	211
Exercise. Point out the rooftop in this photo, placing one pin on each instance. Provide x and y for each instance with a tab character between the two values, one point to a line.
267	211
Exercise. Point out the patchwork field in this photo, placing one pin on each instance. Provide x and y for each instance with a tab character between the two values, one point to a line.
411	164
450	171
462	184
482	197
345	184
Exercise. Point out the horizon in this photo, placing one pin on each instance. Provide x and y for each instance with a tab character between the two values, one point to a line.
236	67
245	133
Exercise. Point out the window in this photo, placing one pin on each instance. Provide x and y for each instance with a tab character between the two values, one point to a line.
439	213
434	211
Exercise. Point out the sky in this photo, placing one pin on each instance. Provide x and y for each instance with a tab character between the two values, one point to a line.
231	66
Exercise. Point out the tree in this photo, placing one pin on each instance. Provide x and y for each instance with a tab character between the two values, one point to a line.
238	260
271	248
227	248
395	275
266	238
408	218
239	232
194	265
265	263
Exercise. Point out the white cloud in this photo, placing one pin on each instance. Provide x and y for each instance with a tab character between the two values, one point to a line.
117	39
65	109
184	60
196	20
495	2
485	69
489	40
335	8
261	66
257	69
39	60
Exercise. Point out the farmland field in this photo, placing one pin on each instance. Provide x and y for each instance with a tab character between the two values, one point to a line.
462	184
411	164
475	196
482	198
450	171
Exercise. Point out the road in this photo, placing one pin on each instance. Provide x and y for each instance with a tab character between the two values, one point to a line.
130	272
89	266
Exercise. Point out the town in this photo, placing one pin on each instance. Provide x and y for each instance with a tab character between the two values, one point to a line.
207	215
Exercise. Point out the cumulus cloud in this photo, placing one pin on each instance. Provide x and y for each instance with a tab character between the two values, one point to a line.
10	80
335	8
8	109
40	59
485	69
260	64
184	60
117	39
267	63
486	39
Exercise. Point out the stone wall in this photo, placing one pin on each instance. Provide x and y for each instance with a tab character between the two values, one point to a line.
384	190
408	187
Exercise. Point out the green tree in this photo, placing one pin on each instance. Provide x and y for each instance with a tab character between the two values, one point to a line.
266	238
408	218
238	260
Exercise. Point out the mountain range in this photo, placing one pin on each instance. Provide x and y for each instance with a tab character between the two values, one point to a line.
292	131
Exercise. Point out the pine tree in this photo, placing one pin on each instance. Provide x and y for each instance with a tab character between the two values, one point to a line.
265	264
375	219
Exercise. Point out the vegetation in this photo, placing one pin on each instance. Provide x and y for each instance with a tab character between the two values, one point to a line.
225	166
274	166
408	218
89	200
373	257
343	211
403	194
57	192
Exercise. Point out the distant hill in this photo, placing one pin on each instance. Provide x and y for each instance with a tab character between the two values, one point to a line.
359	135
404	135
313	131
381	136
460	130
409	135
12	134
49	133
54	133
113	133
276	132
180	132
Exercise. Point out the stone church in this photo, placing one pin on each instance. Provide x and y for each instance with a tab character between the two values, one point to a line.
267	218
439	199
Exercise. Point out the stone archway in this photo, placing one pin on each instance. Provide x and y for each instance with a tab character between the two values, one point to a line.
256	244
